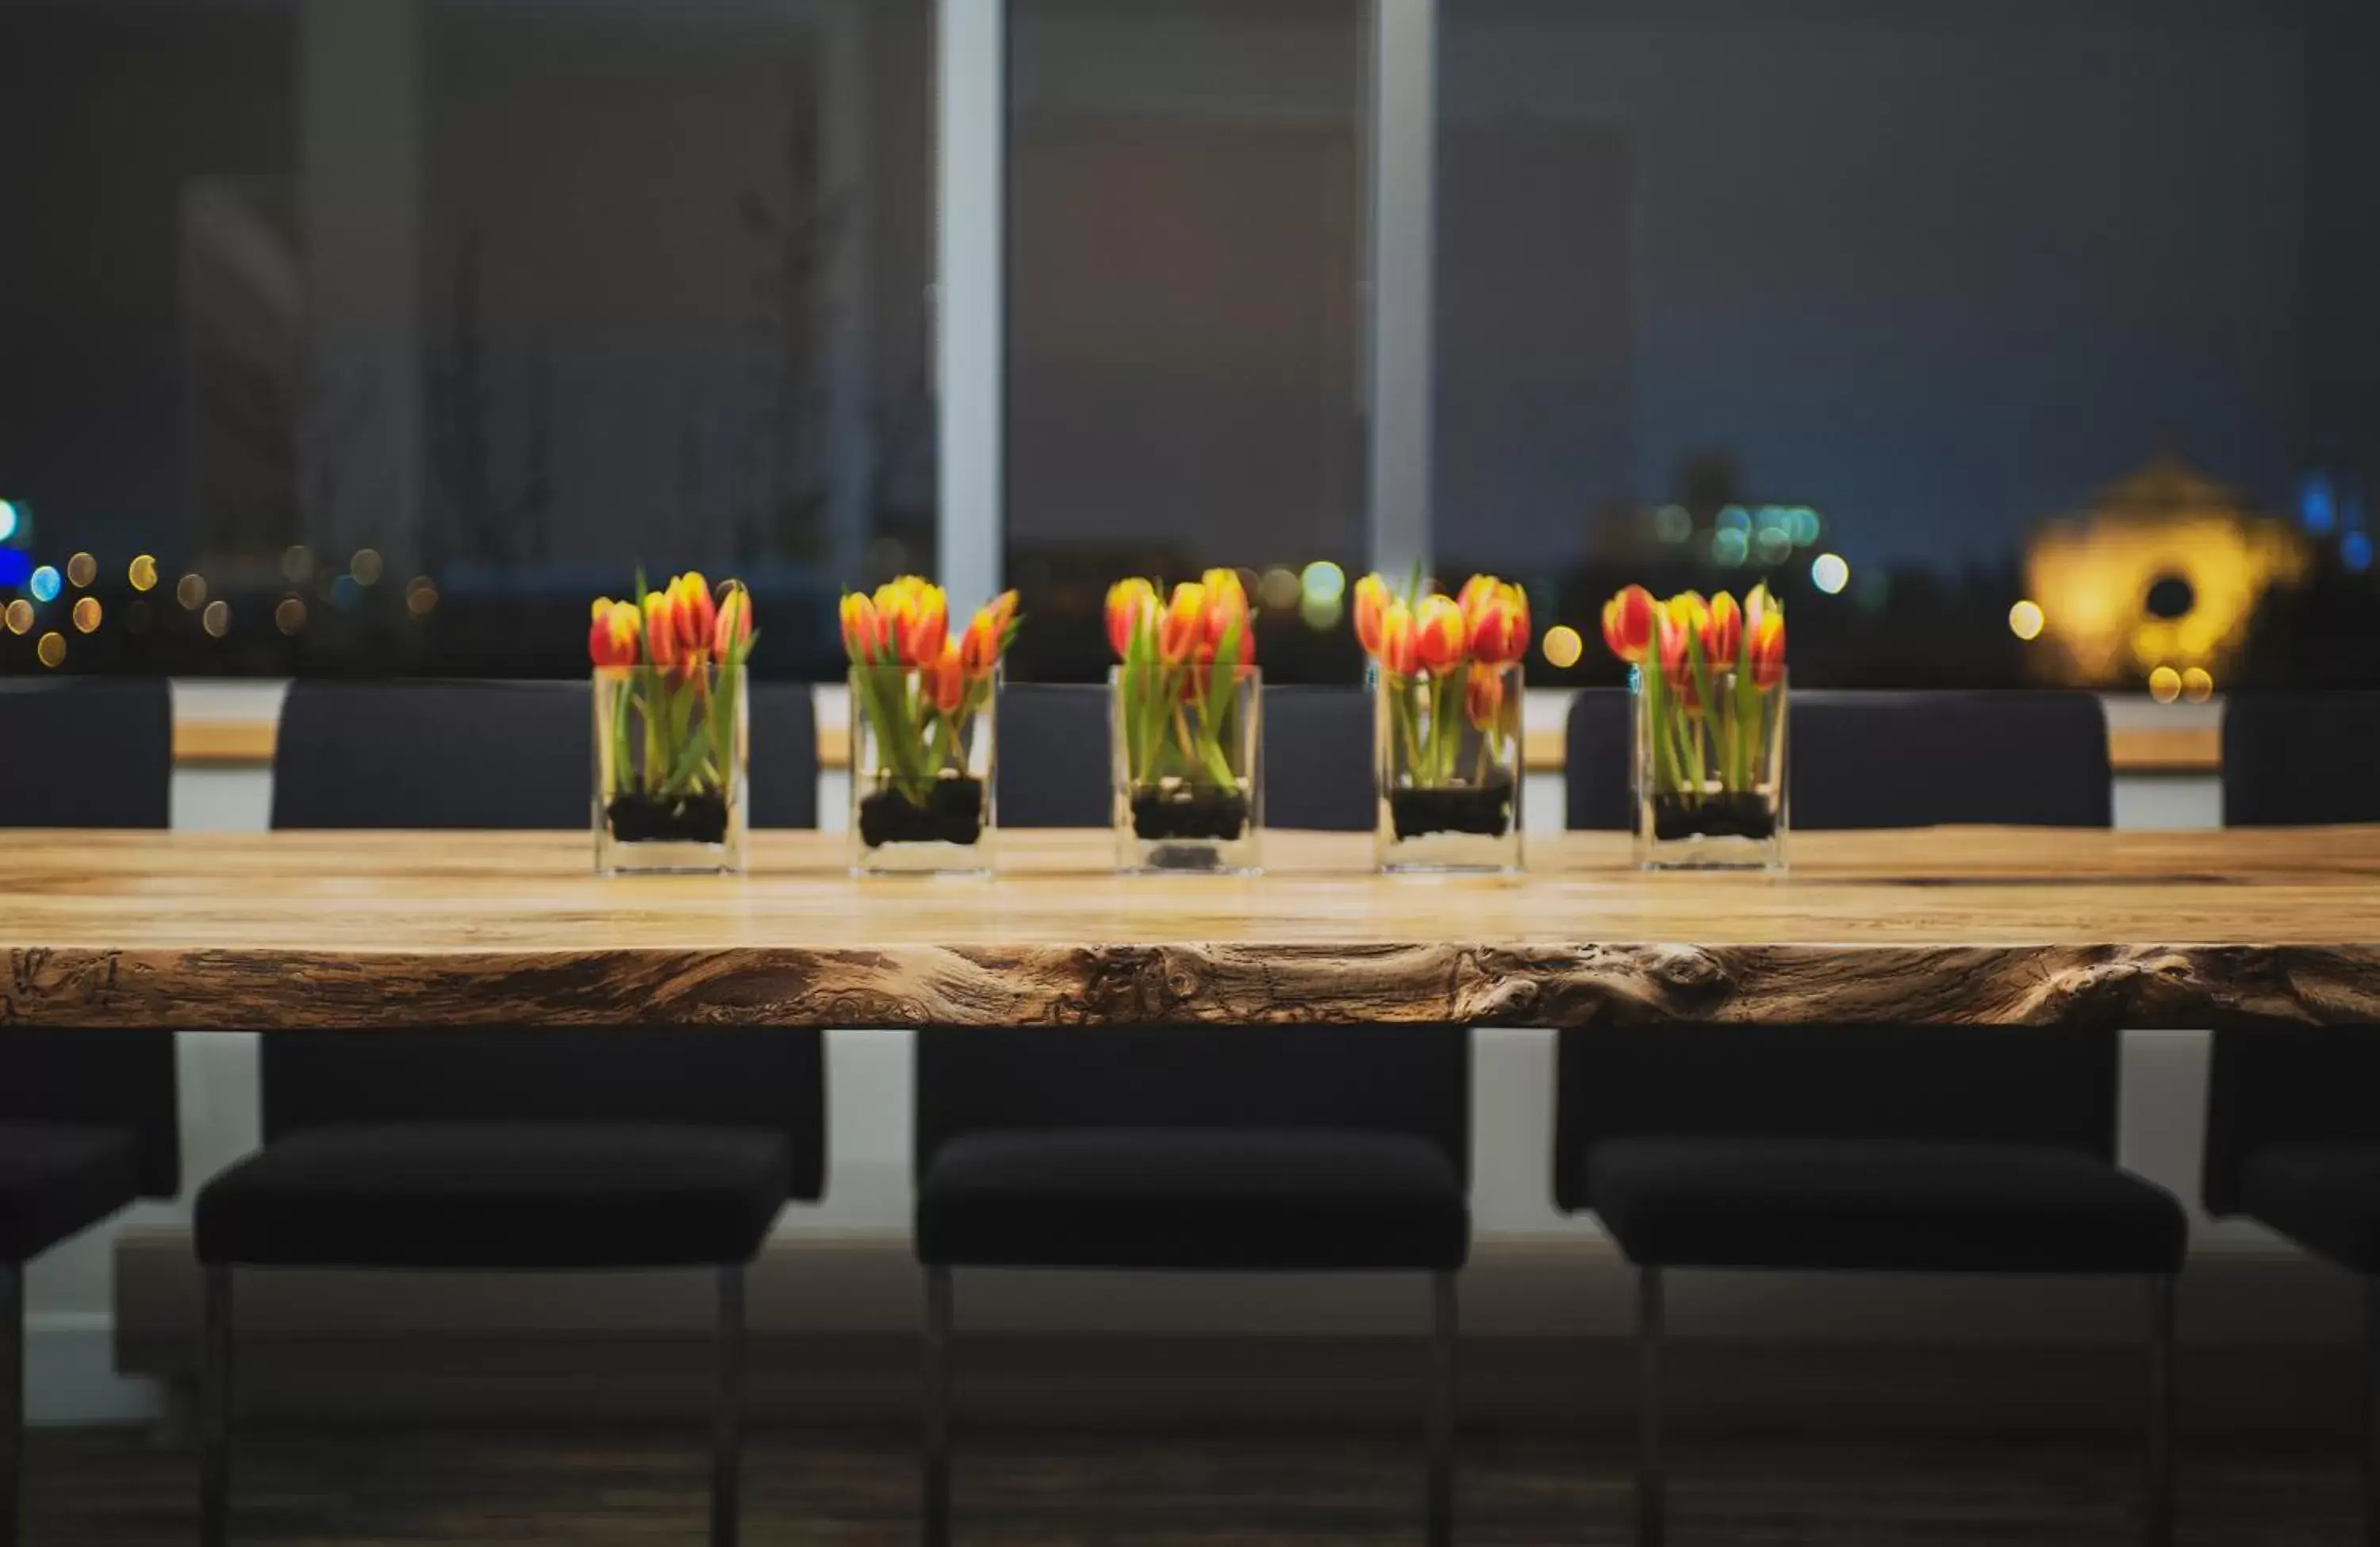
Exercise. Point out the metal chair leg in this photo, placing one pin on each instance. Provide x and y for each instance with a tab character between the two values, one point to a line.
937	1403
1652	1505
2157	1512
12	1398
215	1414
1443	1328
727	1435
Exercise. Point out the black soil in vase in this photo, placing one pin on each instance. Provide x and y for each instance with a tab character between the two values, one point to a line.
1483	808
1188	812
697	818
1743	815
953	814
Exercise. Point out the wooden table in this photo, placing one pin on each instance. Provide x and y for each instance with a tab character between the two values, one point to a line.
222	931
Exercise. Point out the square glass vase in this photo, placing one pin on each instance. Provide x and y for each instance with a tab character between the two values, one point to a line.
1710	782
922	771
672	745
1189	790
1446	761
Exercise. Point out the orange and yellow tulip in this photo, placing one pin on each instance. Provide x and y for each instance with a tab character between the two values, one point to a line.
1676	627
1227	600
1371	600
1628	621
1497	619
613	640
865	636
692	611
942	681
1130	603
1181	628
1722	633
1483	694
917	616
732	630
1399	654
1765	649
986	634
1439	638
664	645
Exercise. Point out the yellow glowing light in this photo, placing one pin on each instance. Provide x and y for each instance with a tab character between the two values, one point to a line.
52	650
190	591
1278	588
216	619
81	569
1322	581
365	567
421	596
2165	685
2197	684
290	617
1562	646
1830	573
20	616
2025	620
86	613
143	573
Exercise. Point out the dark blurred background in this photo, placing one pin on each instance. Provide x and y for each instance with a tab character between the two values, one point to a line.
2015	342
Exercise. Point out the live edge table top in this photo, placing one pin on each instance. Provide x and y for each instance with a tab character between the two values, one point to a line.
1948	925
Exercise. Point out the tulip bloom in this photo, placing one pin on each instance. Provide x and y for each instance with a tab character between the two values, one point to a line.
918	616
1129	602
1483	695
1677	660
1181	628
1498	626
1628	620
1438	637
733	629
942	681
663	644
1766	649
1399	654
1227	600
613	641
1722	633
693	610
1371	600
986	634
866	635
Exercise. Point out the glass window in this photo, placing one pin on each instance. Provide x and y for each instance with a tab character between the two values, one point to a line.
392	331
1185	328
1922	318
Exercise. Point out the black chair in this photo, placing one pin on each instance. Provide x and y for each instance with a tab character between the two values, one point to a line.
1876	1148
505	1150
2292	1129
87	1119
1193	1149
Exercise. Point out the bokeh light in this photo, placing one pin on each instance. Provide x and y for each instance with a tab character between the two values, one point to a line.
2025	619
1276	588
52	650
290	617
2165	685
44	583
216	619
1673	523
1729	546
1321	614
1830	573
7	521
2197	684
20	616
1562	646
82	570
143	573
297	564
365	567
86	613
1322	581
421	594
190	591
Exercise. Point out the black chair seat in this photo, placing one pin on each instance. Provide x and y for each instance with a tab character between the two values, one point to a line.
499	1195
1253	1198
57	1178
2324	1196
1884	1204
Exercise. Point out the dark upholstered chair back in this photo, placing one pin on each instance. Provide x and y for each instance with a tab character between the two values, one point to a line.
505	756
92	753
2292	757
86	753
1889	760
1055	766
784	772
1378	1079
1863	759
1317	759
2301	758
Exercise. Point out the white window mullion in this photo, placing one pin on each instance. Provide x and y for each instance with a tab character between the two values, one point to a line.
971	201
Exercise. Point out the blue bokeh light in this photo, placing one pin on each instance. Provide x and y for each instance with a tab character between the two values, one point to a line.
2317	506
2355	552
16	567
44	583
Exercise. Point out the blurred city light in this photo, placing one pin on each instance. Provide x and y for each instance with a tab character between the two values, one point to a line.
190	591
2025	620
86	613
1673	523
143	573
1830	573
1562	646
1729	546
52	651
290	617
1322	581
44	583
7	521
2355	552
2197	684
20	616
2317	507
216	619
365	567
1276	588
82	570
2165	685
297	564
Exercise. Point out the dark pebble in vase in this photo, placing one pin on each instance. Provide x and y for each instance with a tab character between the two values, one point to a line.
1483	808
1194	813
1744	815
953	814
677	819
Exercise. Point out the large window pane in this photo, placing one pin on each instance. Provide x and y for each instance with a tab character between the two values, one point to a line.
1184	321
407	325
1994	304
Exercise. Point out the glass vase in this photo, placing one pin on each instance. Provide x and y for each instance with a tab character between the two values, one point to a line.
671	745
1709	777
922	771
1189	792
1445	759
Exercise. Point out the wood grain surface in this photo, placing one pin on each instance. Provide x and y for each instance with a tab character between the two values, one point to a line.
230	932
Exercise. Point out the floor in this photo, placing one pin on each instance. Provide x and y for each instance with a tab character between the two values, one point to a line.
513	1488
